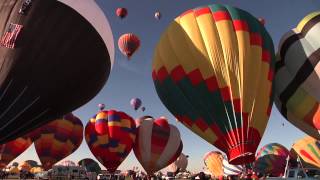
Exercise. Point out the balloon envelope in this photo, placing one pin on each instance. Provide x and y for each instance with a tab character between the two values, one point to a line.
135	103
90	165
297	83
158	144
121	12
271	159
128	44
308	151
110	136
58	139
213	162
213	70
59	59
12	149
179	165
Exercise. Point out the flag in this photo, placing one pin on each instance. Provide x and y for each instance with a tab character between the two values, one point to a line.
10	36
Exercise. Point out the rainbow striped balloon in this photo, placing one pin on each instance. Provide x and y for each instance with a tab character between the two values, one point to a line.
308	149
271	159
297	82
158	144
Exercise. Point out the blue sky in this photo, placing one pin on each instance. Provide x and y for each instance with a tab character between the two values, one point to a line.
133	78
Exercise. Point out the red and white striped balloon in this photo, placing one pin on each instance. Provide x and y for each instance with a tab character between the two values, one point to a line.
157	145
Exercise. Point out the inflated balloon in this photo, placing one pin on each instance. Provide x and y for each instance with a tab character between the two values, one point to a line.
143	109
12	149
58	139
158	144
101	106
213	70
110	136
121	12
157	15
135	103
271	159
143	118
179	165
308	149
55	56
90	165
213	162
297	83
229	169
128	44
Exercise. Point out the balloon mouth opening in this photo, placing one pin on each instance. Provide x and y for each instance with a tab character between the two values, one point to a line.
241	155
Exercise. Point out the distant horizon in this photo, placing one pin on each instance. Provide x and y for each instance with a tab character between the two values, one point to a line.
129	79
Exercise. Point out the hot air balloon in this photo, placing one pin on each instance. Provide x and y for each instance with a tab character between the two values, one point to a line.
32	163
110	136
55	56
121	12
271	159
135	103
143	109
157	15
90	165
213	70
229	169
9	151
143	118
24	166
158	144
128	44
179	165
213	162
297	89
308	151
101	106
58	139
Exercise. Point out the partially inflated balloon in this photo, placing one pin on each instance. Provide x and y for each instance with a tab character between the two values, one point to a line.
213	162
179	165
90	165
229	169
158	144
128	44
58	139
213	69
271	159
297	83
12	149
55	55
110	136
308	150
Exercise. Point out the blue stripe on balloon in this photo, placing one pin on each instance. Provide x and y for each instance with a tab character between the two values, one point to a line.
114	117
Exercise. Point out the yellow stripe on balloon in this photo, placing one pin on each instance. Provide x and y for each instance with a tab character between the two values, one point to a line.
300	104
126	123
306	19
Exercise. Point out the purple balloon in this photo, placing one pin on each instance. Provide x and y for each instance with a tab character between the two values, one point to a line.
135	103
101	106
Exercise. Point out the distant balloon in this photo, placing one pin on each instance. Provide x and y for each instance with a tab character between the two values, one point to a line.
101	106
121	12
143	109
128	44
213	162
297	82
12	149
32	163
110	136
179	165
53	62
157	15
135	103
262	21
271	159
213	70
158	144
90	165
58	139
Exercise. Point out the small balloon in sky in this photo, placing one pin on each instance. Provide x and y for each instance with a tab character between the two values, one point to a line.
122	12
128	44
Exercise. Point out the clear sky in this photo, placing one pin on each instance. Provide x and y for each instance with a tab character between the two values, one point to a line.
133	78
